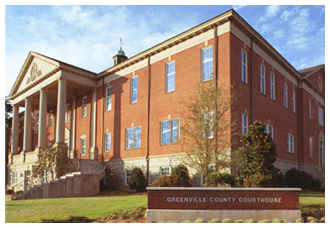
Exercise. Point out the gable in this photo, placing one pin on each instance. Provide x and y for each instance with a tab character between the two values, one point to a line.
317	80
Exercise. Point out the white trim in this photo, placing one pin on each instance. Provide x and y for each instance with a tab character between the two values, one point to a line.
246	79
83	107
67	113
262	79
131	89
272	89
320	115
164	167
167	75
105	142
202	63
126	183
107	96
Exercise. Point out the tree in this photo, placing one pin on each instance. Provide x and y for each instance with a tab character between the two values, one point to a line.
258	155
51	159
181	171
207	128
137	180
8	110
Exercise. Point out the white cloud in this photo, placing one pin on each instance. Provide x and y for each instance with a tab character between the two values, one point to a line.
238	7
302	24
270	12
298	43
286	15
278	34
265	28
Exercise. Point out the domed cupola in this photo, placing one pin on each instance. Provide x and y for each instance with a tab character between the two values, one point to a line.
120	56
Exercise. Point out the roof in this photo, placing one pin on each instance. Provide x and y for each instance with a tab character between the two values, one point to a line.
310	70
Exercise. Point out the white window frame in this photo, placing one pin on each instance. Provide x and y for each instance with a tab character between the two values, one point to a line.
14	178
320	115
310	108
67	116
127	175
293	100
133	89
107	143
161	172
171	130
262	79
84	107
290	143
50	119
135	138
244	76
37	125
169	75
269	129
245	124
83	145
204	62
108	99
311	147
272	85
285	91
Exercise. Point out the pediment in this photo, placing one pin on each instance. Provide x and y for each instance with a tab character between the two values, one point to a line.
35	67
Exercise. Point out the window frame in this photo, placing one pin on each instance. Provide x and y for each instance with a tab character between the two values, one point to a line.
127	175
262	79
83	145
244	78
168	75
67	113
108	99
272	85
310	146
14	178
320	115
132	89
84	107
165	167
290	143
206	61
135	140
37	125
107	142
293	100
285	95
211	122
171	131
267	128
50	119
245	126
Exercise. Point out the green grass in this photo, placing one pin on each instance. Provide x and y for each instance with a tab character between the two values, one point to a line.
311	197
92	207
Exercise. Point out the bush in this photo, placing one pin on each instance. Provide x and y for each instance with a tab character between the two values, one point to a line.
215	220
310	209
70	219
136	180
9	191
168	181
221	179
302	179
199	220
131	215
227	220
181	171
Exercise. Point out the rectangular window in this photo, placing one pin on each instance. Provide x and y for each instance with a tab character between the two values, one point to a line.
293	101
127	175
320	116
67	113
244	124
310	108
84	107
165	170
244	77
285	95
37	124
202	180
321	153
83	146
170	77
310	146
133	138
269	129
272	86
107	145
14	178
262	80
134	89
170	131
207	124
50	121
290	143
108	99
207	63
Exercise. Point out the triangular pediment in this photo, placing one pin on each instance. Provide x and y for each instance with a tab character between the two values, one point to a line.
35	67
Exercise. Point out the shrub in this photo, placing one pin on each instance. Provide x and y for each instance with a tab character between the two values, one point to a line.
302	179
249	221
168	181
70	219
227	220
215	220
310	209
264	221
181	171
217	178
199	220
136	180
131	215
275	220
9	191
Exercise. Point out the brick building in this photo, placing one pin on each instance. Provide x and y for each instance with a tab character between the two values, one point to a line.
124	114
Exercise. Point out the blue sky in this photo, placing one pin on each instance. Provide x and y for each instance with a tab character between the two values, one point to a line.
88	36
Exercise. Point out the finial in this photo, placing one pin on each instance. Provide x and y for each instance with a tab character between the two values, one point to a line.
121	42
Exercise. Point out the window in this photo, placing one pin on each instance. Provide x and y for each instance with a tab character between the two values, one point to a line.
207	124
170	131
293	101
14	178
320	116
244	77
244	124
262	80
285	95
310	146
83	146
321	153
84	107
107	145
127	175
207	63
272	86
269	129
37	124
67	113
134	90
290	143
310	108
202	180
50	121
108	99
133	137
170	77
165	170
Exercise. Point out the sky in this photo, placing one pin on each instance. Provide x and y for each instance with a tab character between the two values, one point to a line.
88	36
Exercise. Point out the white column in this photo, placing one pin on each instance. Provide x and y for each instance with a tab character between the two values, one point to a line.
42	119
14	137
60	117
73	127
93	149
27	126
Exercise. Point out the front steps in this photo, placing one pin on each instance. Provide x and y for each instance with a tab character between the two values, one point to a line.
86	182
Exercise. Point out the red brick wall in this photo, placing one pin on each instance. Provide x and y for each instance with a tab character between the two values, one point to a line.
206	199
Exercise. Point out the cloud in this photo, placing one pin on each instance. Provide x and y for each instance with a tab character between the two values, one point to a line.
286	15
278	34
302	24
270	12
298	43
238	7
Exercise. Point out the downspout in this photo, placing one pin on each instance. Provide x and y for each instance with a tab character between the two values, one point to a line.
102	128
298	124
251	71
215	67
148	121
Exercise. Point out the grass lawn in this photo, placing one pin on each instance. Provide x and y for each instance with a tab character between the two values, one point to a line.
311	197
